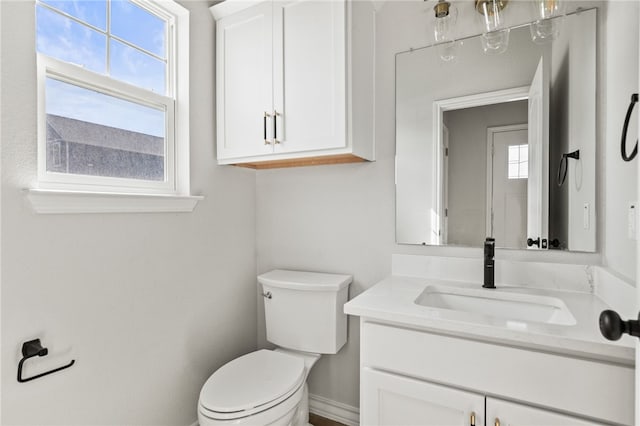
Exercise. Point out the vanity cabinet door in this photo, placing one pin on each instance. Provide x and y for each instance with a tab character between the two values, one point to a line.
503	413
389	399
244	82
309	86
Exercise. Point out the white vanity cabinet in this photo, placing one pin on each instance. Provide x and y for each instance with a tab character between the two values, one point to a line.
399	400
294	82
418	377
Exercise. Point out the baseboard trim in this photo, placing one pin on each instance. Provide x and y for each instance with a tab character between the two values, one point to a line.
334	410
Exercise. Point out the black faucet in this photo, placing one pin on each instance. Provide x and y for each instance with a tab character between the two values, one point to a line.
489	263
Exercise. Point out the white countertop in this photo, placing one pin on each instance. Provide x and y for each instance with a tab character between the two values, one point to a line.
392	300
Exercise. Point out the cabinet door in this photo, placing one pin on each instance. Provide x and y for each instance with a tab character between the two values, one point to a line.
389	399
310	74
503	413
244	81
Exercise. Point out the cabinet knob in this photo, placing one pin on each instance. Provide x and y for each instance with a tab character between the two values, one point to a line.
497	422
473	418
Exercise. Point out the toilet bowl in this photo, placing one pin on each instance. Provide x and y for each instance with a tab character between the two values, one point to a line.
261	388
304	317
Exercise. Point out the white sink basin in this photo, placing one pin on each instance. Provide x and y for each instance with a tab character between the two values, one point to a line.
502	304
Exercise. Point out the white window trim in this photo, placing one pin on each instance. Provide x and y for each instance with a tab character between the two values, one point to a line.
71	197
50	201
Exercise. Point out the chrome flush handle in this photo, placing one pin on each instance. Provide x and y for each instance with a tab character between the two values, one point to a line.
267	295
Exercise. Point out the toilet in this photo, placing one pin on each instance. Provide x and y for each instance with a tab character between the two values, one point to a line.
304	319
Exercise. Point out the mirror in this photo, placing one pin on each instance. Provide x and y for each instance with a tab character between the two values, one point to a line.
499	145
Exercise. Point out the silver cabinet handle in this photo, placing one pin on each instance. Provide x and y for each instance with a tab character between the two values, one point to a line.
264	128
275	127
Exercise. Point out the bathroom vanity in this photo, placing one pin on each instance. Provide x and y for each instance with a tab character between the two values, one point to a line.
437	352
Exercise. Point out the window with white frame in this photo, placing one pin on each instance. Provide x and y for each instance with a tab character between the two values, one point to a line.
112	95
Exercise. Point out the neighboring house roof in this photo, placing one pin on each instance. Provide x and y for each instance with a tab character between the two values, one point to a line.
83	132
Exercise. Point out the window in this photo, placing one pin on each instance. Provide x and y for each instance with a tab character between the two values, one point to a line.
112	96
518	167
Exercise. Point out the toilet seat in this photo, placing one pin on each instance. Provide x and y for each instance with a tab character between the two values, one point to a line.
251	384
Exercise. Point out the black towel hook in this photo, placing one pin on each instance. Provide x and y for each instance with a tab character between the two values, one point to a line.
562	171
34	348
625	128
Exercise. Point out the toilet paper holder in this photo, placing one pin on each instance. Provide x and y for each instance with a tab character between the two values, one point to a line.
34	348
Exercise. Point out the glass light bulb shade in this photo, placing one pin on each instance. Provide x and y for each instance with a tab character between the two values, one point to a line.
448	51
492	14
546	9
444	26
545	30
495	42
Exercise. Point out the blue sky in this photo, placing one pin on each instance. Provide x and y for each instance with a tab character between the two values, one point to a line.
70	41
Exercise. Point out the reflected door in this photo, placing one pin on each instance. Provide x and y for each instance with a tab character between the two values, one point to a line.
538	182
508	170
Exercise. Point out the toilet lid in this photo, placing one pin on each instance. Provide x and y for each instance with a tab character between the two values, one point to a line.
251	381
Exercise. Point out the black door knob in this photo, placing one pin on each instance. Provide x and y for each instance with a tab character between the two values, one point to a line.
613	327
531	241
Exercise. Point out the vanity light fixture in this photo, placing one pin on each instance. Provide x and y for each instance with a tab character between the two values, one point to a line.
544	29
547	20
495	38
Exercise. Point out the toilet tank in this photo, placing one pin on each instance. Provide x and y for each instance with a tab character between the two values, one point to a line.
304	310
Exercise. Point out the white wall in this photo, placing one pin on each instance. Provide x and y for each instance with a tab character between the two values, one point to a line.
149	305
620	79
581	179
573	127
341	218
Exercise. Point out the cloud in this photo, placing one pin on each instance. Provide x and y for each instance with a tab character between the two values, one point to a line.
69	41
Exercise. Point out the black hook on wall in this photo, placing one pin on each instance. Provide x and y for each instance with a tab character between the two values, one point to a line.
562	171
625	128
34	348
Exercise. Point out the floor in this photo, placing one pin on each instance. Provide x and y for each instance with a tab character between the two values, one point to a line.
316	420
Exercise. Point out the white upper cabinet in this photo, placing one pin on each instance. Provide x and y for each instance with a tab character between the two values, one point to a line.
291	89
